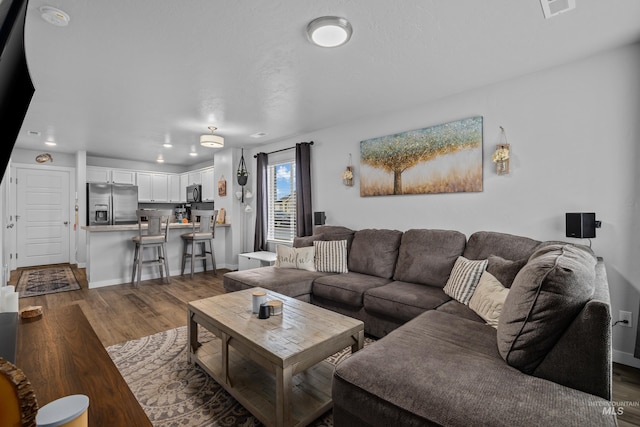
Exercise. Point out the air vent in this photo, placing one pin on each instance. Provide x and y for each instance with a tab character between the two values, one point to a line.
553	8
258	135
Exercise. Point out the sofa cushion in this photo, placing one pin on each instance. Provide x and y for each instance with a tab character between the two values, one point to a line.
459	309
483	244
488	299
464	278
403	301
331	256
545	297
336	232
375	252
300	258
346	288
427	256
505	270
287	281
439	369
303	242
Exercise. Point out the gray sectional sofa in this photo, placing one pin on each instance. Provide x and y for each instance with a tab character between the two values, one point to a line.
437	362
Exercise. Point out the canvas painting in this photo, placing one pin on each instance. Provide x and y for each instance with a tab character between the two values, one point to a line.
446	158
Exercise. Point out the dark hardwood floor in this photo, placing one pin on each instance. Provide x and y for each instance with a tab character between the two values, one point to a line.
120	313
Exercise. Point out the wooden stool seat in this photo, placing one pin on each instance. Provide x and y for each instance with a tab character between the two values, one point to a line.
155	238
199	237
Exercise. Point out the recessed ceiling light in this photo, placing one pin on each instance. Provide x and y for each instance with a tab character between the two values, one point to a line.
50	143
160	160
54	16
258	135
329	31
167	145
193	154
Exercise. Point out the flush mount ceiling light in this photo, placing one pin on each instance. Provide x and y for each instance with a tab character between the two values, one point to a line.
329	31
212	141
54	16
44	157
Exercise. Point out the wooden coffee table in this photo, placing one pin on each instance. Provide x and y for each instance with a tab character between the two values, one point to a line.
274	367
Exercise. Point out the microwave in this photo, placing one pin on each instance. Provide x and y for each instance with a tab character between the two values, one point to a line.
194	193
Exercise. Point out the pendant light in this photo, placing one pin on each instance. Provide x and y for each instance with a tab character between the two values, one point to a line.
212	141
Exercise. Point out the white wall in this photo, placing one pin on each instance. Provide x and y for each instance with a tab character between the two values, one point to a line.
575	143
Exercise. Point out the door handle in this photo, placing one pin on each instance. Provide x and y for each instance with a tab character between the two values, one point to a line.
66	223
10	225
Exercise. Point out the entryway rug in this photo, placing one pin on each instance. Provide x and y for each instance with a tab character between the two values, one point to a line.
174	393
42	281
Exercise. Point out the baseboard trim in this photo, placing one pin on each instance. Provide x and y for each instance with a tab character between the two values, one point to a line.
145	276
626	359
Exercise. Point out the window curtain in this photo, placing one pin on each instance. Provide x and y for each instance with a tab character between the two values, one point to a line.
262	204
304	214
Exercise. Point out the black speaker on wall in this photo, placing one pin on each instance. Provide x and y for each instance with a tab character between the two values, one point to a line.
581	225
319	218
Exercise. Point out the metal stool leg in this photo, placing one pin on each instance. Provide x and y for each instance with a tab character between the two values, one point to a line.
184	255
140	255
213	257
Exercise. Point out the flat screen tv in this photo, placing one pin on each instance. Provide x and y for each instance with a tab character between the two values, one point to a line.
16	88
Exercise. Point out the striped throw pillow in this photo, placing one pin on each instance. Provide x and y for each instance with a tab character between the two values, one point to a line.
464	278
331	256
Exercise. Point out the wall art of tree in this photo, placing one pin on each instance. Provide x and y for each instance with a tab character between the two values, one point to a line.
423	151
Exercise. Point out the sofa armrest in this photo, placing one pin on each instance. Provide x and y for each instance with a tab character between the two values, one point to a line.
581	359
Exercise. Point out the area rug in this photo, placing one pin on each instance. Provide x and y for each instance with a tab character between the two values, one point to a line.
42	281
174	393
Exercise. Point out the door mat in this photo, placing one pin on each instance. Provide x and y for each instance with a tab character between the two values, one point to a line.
43	281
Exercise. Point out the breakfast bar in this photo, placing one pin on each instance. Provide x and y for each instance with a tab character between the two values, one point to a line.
110	252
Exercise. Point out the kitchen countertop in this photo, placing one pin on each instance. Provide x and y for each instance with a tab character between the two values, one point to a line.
134	227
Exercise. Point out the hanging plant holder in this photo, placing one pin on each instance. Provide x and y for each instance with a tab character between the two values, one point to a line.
242	174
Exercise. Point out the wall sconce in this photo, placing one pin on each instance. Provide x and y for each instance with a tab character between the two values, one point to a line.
347	175
502	154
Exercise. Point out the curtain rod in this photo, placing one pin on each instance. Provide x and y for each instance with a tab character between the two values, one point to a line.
255	156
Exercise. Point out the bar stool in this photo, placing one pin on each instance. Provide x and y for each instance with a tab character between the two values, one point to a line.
205	233
155	237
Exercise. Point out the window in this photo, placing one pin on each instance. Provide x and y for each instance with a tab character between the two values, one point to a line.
282	201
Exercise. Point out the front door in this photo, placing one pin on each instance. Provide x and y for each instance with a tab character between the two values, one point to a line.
42	217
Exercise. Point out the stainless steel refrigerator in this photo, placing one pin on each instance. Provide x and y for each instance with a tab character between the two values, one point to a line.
111	204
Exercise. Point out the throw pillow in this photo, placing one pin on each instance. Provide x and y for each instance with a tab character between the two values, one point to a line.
544	299
504	270
331	256
488	299
303	242
464	278
299	258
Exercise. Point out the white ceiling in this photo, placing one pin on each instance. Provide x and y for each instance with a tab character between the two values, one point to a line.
125	76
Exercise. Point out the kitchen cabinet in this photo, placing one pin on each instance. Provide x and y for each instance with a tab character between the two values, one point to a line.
98	174
184	181
103	175
195	177
208	185
121	176
174	189
153	187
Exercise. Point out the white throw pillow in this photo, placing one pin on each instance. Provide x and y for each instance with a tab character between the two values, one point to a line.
464	278
331	256
488	299
300	258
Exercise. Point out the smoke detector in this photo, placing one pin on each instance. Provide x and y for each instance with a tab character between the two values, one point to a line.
553	8
54	16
